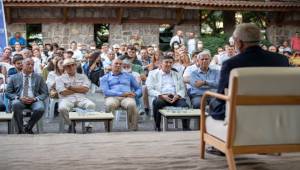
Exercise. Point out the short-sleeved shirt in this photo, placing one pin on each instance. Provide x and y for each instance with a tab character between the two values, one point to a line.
64	81
13	41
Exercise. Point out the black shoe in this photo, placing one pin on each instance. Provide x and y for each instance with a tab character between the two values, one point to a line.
28	131
158	129
147	111
20	132
70	129
186	129
214	151
88	129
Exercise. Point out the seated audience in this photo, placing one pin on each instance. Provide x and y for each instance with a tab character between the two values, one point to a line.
168	89
27	90
72	88
202	79
121	89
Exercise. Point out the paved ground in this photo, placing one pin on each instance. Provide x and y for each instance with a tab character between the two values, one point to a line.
124	150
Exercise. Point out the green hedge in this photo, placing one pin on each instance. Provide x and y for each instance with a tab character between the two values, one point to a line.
211	42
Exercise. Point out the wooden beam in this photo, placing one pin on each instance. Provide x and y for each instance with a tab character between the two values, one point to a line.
100	20
119	14
93	20
8	15
37	20
179	15
65	15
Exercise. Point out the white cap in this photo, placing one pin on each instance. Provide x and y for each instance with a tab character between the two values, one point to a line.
116	46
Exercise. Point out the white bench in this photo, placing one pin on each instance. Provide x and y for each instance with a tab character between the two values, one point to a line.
178	114
91	117
7	117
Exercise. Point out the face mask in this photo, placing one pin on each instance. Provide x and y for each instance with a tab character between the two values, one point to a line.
126	70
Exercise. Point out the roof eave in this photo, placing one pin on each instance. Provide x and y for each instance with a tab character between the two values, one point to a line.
283	8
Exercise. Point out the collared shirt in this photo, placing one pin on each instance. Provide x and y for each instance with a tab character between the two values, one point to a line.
187	73
107	63
176	38
168	84
211	77
64	81
77	55
30	92
37	65
13	41
192	45
117	85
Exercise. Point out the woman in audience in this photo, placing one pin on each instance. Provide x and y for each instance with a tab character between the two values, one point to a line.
58	71
93	68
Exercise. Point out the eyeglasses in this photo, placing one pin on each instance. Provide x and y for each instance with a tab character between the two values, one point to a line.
204	59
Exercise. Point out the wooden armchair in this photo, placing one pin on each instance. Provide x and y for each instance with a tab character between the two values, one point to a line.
262	114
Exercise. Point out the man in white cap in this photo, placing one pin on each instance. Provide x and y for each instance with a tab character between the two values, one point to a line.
72	88
115	49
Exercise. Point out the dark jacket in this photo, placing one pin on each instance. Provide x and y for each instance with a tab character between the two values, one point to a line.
15	86
252	57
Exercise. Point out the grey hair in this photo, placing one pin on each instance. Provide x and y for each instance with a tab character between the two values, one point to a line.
26	60
247	33
203	53
126	61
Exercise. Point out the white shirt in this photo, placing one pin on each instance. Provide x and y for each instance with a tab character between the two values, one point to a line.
37	65
51	79
64	81
179	67
176	38
30	93
187	73
77	54
192	45
168	84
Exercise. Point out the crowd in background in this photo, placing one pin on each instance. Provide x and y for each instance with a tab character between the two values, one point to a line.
187	58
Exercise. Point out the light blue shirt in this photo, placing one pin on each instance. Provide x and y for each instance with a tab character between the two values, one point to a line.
117	85
211	77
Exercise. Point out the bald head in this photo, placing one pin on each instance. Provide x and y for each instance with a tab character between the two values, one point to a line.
116	66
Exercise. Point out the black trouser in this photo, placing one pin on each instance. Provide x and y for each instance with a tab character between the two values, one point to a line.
160	103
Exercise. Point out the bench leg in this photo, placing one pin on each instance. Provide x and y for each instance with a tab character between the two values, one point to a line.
165	123
108	125
73	126
82	127
9	129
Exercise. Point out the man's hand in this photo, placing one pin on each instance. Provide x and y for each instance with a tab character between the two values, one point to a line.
166	98
27	100
143	77
199	83
175	98
128	94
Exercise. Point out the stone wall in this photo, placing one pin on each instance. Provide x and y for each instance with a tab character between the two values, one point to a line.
63	34
281	31
122	33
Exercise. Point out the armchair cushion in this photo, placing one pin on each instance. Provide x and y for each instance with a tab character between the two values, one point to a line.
217	128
